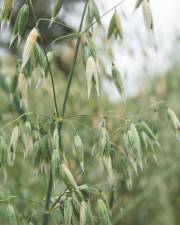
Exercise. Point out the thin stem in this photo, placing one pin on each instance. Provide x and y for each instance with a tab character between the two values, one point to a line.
74	62
55	21
21	116
49	67
52	79
50	185
76	176
96	115
107	12
64	37
50	181
10	198
15	120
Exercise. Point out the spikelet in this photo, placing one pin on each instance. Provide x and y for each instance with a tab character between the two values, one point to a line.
23	88
13	144
115	27
6	12
92	75
89	215
83	209
107	163
147	14
79	150
174	121
29	45
27	138
117	79
92	13
68	178
103	213
22	22
135	144
68	212
104	142
11	215
55	163
119	26
55	11
3	153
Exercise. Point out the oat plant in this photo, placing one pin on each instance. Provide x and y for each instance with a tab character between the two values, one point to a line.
119	152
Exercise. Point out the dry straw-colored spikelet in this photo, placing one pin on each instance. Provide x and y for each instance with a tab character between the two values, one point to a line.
107	163
174	121
147	14
29	45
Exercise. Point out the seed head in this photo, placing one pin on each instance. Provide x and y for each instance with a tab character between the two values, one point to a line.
29	46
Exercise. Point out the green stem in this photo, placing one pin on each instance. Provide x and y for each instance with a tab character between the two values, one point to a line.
65	37
49	67
74	62
50	185
50	181
56	22
103	15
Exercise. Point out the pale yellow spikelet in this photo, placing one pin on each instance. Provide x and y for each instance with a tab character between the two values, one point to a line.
92	72
23	88
107	163
29	45
28	145
147	14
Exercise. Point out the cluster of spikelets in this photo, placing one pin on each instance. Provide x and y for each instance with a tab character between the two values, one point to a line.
85	212
41	145
115	29
89	50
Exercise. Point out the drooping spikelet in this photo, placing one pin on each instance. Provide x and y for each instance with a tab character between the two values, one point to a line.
6	12
23	88
147	14
13	145
92	75
29	46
